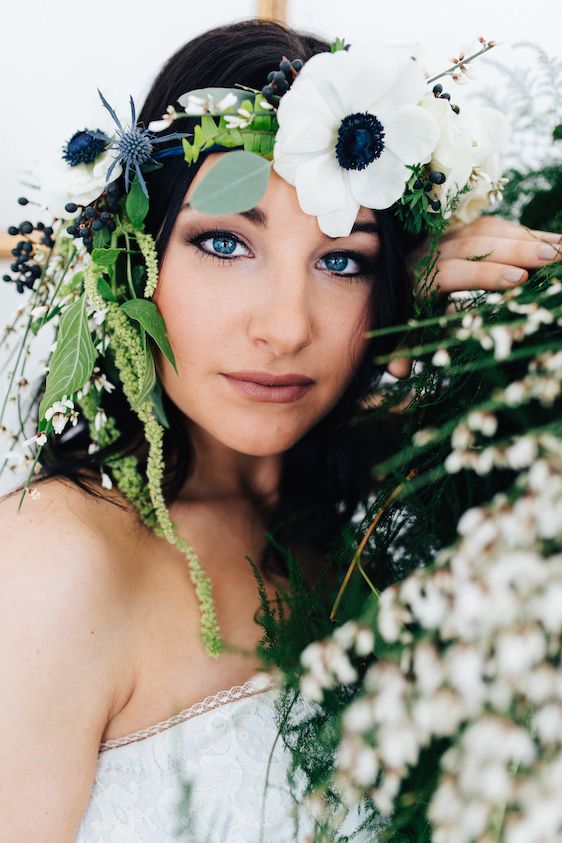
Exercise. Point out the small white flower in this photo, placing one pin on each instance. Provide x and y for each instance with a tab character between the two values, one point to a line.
166	121
441	357
352	122
38	439
100	419
57	414
34	494
106	481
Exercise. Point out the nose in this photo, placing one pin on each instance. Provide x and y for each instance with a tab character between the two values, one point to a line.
281	316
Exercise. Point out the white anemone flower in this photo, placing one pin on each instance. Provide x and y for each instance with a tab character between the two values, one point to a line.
348	127
452	155
59	182
489	132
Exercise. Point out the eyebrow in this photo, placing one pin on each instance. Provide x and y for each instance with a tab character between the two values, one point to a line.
259	218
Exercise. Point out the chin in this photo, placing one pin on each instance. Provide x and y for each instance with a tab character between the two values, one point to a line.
262	442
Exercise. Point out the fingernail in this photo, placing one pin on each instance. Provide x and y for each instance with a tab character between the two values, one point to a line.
546	253
512	275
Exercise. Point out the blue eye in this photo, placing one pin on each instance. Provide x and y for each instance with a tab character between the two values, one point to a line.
224	243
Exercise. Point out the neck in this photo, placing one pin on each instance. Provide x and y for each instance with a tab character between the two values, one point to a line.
221	472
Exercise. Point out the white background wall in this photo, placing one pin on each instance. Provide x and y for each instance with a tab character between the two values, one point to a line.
54	55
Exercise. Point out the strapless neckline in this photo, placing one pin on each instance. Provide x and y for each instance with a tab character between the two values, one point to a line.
259	683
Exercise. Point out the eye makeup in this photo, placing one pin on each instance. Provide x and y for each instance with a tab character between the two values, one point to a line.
197	237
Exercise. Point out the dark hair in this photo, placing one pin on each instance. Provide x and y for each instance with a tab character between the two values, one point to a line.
323	477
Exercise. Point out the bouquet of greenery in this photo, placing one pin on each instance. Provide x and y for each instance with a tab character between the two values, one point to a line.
437	704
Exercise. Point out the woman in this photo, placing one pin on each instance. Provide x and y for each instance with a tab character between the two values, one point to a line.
100	631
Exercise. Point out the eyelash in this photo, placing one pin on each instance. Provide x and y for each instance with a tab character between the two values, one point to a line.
228	235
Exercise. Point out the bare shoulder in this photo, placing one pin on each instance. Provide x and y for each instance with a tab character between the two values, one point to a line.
63	643
61	508
67	557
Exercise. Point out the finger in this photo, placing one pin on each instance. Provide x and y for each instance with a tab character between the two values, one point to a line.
400	367
512	252
456	275
498	227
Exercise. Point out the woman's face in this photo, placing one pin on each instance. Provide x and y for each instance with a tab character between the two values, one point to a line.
266	294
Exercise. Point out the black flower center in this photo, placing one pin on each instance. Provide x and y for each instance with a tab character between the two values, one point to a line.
82	148
360	140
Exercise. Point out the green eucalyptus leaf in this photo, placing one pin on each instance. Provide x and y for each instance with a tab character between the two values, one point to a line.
236	182
136	204
105	257
149	378
147	314
73	360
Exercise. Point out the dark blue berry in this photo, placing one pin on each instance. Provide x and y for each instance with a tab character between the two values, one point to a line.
436	177
437	89
6	277
49	230
105	216
285	67
436	205
418	184
297	64
25	227
97	225
445	96
13	230
267	91
279	77
71	207
456	109
270	76
111	225
90	212
73	230
19	286
22	200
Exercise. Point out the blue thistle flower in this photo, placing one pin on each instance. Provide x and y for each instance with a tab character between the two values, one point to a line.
134	145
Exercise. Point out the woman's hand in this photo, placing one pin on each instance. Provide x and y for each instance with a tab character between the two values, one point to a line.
489	254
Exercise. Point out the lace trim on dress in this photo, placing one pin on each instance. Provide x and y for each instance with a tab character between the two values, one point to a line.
255	685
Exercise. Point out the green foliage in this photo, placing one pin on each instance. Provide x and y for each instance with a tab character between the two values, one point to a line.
136	204
236	182
147	314
258	136
73	360
337	44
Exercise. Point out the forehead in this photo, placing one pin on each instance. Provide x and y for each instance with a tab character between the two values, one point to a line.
280	197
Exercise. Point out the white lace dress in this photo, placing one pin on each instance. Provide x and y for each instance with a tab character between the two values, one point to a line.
200	777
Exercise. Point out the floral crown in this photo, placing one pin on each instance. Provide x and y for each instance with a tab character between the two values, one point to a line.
363	122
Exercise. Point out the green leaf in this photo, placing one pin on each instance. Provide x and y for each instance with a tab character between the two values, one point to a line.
557	132
102	238
149	378
105	290
147	314
136	204
106	257
236	182
209	128
158	405
73	360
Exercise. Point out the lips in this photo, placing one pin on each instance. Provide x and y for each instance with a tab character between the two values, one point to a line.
268	388
268	379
